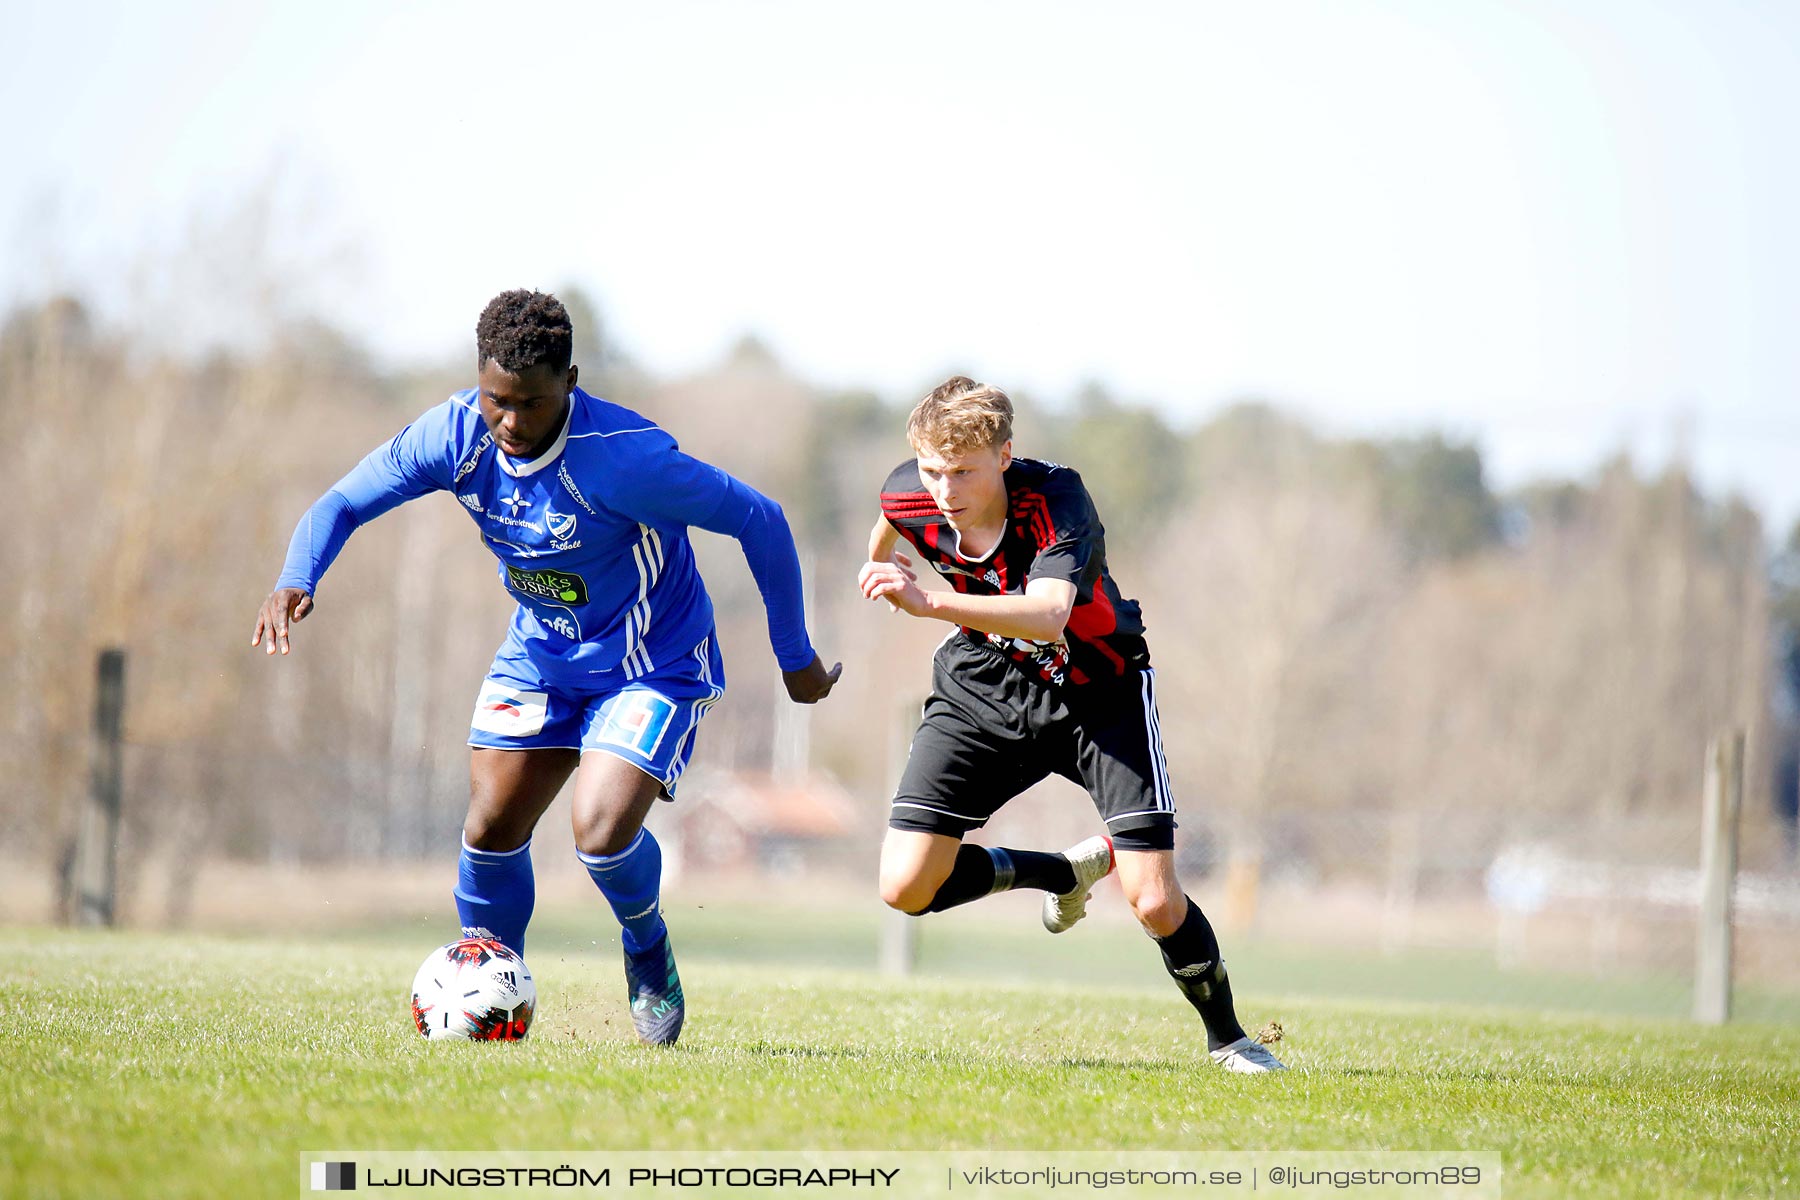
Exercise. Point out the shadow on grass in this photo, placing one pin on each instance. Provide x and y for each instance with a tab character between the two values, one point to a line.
1435	1074
1160	1066
931	1056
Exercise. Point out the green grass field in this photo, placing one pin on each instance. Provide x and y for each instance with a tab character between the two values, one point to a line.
192	1066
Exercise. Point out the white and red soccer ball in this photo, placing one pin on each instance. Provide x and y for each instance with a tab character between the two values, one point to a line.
474	988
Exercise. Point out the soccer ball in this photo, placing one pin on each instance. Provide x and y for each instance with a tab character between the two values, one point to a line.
474	988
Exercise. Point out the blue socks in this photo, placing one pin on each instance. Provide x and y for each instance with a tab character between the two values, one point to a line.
631	881
496	891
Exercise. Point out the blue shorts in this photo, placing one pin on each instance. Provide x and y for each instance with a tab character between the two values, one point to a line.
650	722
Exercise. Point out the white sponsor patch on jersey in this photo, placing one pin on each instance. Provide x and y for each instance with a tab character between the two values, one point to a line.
508	711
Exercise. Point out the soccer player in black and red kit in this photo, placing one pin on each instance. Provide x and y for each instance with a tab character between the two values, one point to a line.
1047	672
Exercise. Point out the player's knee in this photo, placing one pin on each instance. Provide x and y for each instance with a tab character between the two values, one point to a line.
606	834
1159	908
485	829
907	891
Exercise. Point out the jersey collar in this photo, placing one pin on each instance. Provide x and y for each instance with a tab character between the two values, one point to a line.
956	539
1005	528
520	468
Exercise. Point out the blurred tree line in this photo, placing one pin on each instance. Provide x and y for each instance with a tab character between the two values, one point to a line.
1360	627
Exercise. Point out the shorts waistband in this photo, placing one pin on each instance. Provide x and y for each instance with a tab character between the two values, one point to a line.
961	639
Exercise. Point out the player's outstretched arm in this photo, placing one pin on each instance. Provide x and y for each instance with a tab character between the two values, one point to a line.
317	540
665	487
409	465
768	545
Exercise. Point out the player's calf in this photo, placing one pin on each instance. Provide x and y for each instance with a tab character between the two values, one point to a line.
496	891
978	871
910	896
1191	955
914	864
631	881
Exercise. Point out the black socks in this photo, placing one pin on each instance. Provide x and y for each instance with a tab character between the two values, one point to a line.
1191	954
980	871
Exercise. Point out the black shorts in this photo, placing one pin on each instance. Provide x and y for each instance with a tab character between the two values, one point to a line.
989	731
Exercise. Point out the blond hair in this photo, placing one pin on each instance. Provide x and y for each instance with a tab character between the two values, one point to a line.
958	416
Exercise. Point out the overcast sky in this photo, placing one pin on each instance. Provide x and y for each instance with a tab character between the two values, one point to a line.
1560	229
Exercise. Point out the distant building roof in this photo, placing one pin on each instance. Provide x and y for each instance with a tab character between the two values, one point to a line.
813	806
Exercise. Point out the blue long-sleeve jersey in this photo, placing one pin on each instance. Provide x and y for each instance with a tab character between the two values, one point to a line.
591	535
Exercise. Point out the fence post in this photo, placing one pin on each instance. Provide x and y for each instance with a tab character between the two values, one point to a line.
96	874
1722	799
898	952
1402	881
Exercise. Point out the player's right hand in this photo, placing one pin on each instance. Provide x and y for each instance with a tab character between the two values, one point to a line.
284	605
811	683
895	582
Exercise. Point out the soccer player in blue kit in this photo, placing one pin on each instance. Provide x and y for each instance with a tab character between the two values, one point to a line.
611	660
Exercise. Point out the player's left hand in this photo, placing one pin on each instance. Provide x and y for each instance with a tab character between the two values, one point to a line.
283	606
895	583
811	683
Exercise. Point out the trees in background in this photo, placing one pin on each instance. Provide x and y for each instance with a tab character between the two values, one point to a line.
1352	627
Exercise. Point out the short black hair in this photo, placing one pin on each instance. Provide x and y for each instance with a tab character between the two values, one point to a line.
522	329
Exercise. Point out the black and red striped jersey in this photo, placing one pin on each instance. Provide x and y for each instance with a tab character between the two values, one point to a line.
1052	532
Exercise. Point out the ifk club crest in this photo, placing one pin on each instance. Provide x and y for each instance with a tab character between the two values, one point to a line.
560	525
